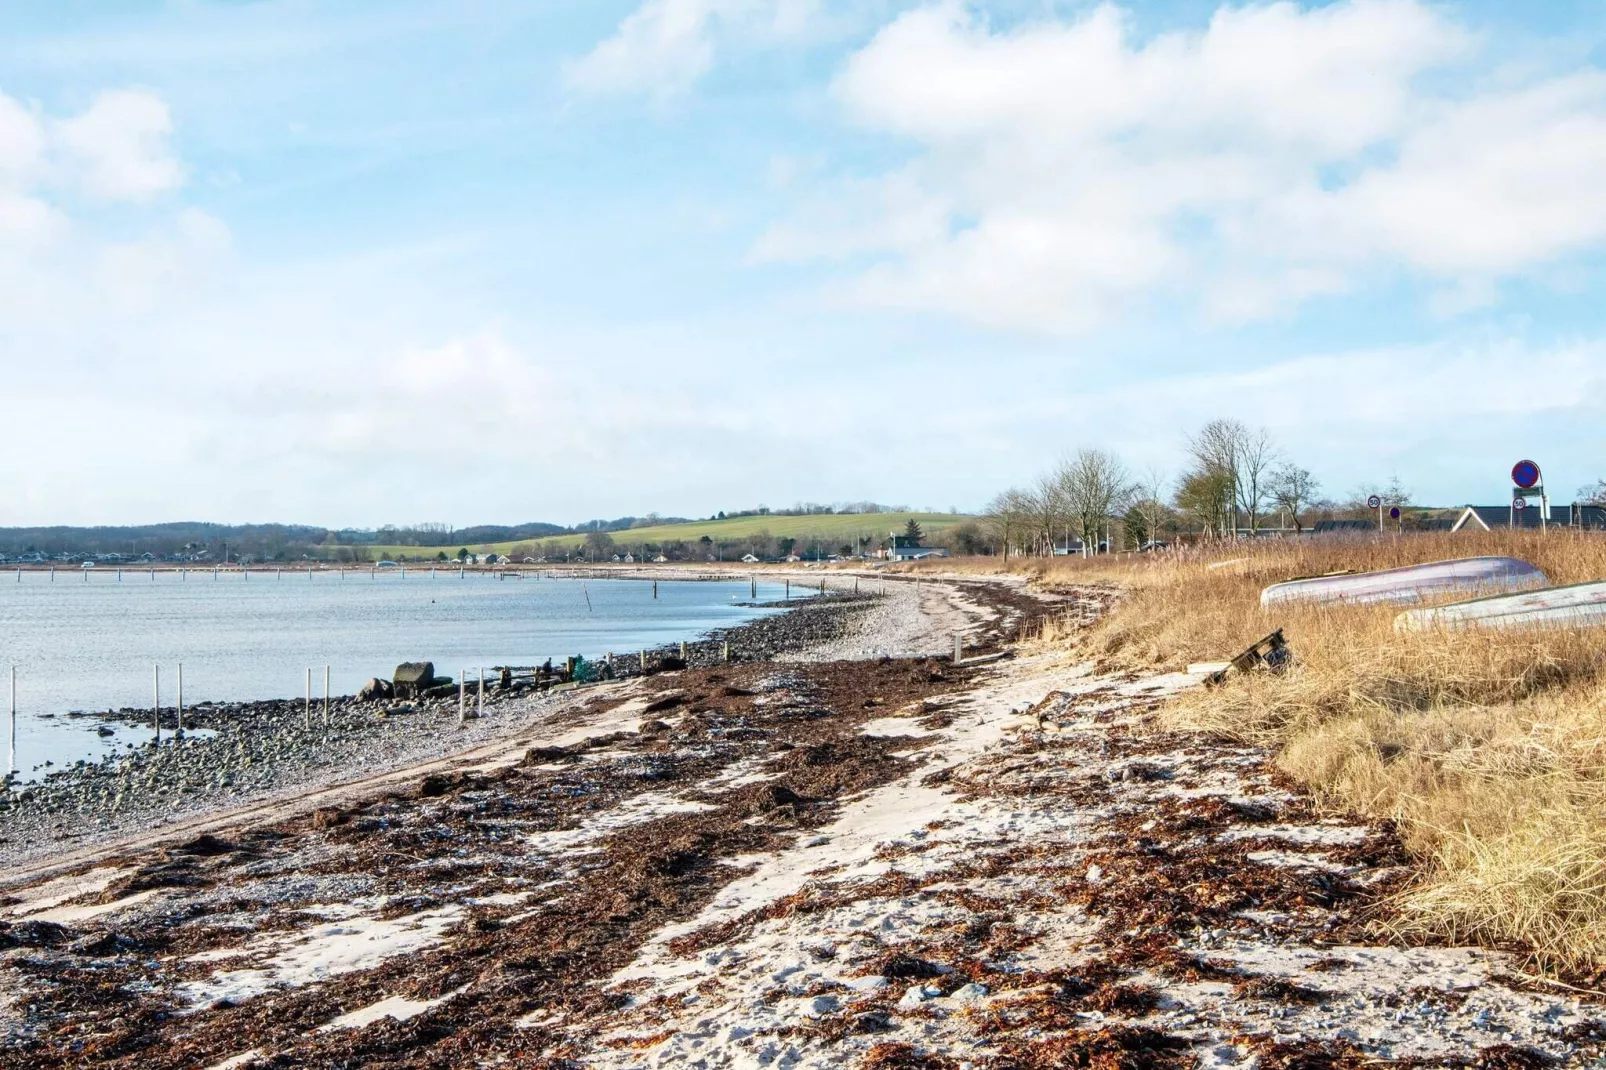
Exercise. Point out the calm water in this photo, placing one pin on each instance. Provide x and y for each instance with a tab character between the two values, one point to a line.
92	644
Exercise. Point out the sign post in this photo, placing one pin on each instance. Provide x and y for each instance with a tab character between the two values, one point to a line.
1394	515
1529	483
1374	502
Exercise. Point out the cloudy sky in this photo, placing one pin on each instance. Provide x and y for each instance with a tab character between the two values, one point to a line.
499	260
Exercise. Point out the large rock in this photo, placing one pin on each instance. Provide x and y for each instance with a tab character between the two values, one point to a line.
375	690
412	678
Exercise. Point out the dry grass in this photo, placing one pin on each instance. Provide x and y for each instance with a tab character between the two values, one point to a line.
1488	749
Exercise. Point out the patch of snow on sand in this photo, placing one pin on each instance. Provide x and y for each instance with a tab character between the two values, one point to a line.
398	1007
53	893
73	915
319	953
634	811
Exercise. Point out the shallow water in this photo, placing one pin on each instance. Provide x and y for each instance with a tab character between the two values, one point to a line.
95	642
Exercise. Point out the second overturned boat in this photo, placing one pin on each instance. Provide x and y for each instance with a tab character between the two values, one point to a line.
1413	583
1575	605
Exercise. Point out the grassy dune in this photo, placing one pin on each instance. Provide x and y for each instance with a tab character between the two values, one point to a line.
1488	749
835	528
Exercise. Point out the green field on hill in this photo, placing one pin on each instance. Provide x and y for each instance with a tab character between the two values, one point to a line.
836	529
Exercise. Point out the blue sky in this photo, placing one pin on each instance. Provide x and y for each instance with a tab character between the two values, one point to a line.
492	261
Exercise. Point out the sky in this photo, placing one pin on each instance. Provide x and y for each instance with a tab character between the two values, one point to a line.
495	261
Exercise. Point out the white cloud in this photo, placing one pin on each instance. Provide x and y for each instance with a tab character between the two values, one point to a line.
665	47
1065	171
119	146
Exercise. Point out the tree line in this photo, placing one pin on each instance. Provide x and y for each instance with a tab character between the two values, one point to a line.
1236	480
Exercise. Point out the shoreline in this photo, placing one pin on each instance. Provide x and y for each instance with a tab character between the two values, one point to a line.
259	751
890	861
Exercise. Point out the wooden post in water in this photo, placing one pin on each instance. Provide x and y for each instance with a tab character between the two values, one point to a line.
655	590
788	590
156	702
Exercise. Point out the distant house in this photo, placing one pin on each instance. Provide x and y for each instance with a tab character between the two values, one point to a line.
1489	517
906	549
1329	527
660	560
750	559
629	559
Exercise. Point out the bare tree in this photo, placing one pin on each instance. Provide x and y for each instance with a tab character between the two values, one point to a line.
1094	485
1246	457
1595	495
1207	496
1010	515
1293	488
1048	511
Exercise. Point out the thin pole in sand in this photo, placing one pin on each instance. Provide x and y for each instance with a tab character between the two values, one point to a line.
959	648
683	650
643	661
479	706
725	651
306	709
180	701
156	702
11	764
462	697
326	696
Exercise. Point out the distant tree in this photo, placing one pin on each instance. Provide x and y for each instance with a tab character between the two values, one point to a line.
441	556
1293	488
599	545
1094	486
1009	515
1595	495
912	532
785	546
462	555
1206	495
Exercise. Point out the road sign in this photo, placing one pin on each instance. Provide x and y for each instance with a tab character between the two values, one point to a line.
1373	502
1519	504
1525	474
1394	513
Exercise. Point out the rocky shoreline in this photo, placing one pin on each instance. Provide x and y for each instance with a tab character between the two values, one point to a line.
257	750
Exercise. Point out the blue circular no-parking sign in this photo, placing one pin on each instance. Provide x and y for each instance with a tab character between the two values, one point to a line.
1525	474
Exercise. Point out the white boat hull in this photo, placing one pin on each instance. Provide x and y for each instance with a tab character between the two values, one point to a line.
1577	605
1413	583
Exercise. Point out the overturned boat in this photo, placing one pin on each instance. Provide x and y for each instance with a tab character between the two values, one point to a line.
1413	583
1575	605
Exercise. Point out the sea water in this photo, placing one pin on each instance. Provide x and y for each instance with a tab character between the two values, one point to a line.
95	642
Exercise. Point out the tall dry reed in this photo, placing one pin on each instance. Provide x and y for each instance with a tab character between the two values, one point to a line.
1487	748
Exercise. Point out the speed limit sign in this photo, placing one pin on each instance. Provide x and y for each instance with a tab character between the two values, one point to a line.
1373	502
1519	504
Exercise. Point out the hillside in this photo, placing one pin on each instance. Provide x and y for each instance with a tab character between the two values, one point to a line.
835	528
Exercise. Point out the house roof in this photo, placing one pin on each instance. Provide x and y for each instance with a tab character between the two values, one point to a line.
1324	526
1486	517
